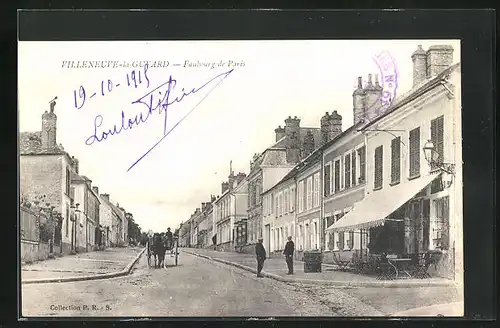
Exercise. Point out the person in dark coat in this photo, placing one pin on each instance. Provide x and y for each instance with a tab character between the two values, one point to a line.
289	249
261	257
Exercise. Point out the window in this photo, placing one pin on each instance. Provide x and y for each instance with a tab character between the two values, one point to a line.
68	181
362	164
395	160
264	205
353	169
347	171
309	193
292	199
327	179
281	203
316	190
277	205
301	196
414	156
287	206
437	137
379	153
337	176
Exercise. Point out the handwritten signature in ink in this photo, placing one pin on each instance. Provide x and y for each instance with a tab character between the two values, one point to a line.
159	99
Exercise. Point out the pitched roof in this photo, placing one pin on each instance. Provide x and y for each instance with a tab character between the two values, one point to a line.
274	157
316	132
30	143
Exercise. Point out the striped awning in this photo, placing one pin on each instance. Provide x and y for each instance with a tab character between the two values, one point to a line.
373	210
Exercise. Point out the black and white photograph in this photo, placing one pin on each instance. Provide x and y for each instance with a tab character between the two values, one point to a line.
240	178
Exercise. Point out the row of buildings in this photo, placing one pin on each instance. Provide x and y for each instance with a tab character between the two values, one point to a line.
50	178
391	183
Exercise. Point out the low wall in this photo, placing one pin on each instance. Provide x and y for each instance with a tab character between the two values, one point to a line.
33	251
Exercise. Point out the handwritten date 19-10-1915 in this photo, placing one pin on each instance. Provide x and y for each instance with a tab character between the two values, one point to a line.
133	78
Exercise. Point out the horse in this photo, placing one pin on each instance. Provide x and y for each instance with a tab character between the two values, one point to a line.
159	250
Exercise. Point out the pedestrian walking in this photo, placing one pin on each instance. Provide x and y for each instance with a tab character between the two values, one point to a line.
289	249
261	257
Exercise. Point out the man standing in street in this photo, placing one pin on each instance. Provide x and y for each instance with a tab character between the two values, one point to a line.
261	257
289	249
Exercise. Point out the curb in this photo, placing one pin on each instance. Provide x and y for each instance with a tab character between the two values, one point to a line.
336	283
121	273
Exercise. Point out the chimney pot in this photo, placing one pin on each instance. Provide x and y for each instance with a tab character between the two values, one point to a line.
360	82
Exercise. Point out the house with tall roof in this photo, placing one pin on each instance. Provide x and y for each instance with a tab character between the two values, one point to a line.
45	169
413	193
293	143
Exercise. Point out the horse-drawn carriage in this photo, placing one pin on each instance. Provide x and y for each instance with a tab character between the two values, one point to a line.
159	246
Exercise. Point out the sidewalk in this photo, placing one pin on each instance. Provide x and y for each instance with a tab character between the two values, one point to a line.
109	261
276	268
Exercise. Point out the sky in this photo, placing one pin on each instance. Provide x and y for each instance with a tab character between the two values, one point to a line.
249	88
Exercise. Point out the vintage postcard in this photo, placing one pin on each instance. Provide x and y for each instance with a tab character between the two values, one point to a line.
240	178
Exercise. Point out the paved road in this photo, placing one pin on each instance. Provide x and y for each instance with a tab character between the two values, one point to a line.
200	287
197	287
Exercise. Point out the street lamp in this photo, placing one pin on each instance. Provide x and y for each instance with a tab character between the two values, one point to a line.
435	161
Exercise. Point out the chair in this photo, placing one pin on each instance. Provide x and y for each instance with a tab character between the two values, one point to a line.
338	261
421	267
385	271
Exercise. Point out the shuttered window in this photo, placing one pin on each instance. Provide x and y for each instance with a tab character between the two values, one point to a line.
337	176
378	174
396	160
276	203
414	151
437	137
353	169
347	171
317	192
309	193
292	199
327	179
362	164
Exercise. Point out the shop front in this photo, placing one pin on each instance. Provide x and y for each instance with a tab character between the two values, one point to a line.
406	221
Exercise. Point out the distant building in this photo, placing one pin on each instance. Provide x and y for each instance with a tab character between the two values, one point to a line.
232	211
88	213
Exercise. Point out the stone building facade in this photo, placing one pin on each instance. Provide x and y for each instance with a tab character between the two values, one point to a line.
45	169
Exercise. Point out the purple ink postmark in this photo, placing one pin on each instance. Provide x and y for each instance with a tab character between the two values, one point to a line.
389	71
374	97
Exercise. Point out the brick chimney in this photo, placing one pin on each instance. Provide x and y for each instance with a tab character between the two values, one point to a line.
331	126
212	198
95	190
439	58
224	187
308	144
203	207
49	127
280	133
240	177
75	165
105	197
419	58
373	98
358	99
292	130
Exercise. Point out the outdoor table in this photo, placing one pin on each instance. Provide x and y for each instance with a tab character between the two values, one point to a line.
401	265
